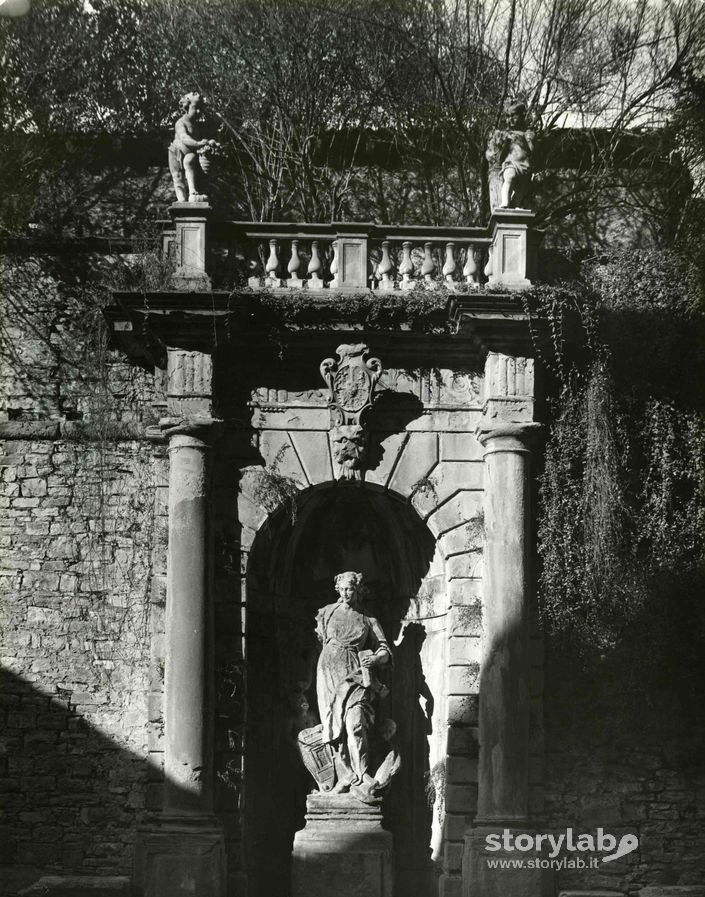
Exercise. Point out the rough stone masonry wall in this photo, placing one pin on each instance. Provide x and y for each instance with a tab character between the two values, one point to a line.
76	526
624	751
75	538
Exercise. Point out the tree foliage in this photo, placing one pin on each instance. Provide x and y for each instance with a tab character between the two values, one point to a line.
355	109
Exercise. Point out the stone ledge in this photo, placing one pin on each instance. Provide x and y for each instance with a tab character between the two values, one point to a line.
79	886
70	430
673	891
591	893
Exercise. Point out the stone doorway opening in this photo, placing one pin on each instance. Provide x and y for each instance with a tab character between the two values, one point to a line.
292	563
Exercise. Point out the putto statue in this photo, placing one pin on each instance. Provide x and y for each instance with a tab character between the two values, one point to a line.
346	751
509	154
190	154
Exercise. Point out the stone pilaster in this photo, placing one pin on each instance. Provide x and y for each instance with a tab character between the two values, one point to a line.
505	434
183	853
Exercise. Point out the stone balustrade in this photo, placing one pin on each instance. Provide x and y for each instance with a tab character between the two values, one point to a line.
354	257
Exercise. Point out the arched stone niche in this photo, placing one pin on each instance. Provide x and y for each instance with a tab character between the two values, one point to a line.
414	528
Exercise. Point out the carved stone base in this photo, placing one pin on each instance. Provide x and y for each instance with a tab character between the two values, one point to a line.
191	279
483	876
343	850
180	860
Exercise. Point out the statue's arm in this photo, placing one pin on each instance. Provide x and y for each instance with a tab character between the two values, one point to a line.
382	653
185	138
320	626
496	150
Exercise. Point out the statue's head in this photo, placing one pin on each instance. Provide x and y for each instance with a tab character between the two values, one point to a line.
348	586
516	115
193	100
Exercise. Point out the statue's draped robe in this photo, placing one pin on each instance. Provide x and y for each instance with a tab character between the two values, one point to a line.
339	687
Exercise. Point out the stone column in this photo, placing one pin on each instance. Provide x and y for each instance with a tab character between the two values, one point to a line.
188	669
505	434
182	853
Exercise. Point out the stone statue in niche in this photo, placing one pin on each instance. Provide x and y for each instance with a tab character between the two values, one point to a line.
190	154
346	752
509	154
351	380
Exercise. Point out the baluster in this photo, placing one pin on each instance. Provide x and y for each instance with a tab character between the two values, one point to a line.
428	266
315	281
385	269
406	268
488	266
449	266
334	266
372	275
294	282
273	265
470	269
254	281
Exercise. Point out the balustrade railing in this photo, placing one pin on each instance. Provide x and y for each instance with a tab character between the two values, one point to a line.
318	257
356	257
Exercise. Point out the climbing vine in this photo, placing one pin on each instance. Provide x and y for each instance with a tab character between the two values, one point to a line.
622	491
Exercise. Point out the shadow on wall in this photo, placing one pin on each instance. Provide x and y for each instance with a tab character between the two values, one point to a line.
72	797
625	742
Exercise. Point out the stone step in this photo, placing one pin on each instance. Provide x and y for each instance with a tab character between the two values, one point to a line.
591	894
79	886
673	891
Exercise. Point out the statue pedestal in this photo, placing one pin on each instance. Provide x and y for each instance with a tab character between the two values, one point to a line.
342	850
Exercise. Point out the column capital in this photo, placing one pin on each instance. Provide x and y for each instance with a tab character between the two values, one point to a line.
498	435
200	429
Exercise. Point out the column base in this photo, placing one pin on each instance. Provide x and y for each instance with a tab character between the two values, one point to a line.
343	850
179	858
483	875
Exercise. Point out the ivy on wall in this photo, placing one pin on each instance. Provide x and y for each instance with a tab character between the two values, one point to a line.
622	491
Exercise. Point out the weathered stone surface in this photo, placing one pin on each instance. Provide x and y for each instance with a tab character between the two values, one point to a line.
280	456
445	480
419	457
79	886
342	850
181	861
464	680
591	893
464	592
389	447
465	620
464	538
459	509
313	449
460	447
673	891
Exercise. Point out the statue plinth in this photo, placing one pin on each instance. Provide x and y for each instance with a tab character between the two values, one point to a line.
342	850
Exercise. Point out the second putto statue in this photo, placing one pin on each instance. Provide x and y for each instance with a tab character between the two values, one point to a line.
340	752
190	154
509	154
